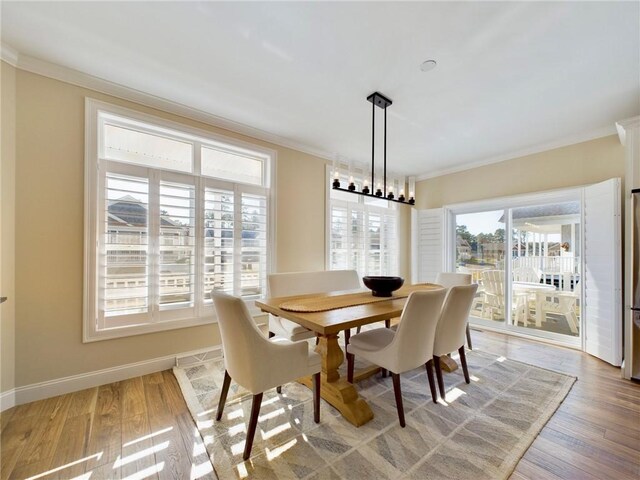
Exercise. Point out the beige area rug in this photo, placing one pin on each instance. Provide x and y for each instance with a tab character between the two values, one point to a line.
480	432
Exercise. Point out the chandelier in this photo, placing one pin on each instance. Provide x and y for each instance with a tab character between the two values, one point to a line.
377	100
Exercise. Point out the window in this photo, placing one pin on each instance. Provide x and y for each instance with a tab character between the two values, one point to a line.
173	213
362	234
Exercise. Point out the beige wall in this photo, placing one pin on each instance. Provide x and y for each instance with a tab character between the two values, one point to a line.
49	235
49	231
7	225
580	164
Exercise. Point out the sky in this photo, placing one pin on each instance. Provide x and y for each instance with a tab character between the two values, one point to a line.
483	222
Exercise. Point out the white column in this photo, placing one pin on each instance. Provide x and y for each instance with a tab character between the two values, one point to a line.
546	245
629	133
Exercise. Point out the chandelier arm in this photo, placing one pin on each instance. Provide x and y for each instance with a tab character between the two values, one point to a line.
373	143
385	152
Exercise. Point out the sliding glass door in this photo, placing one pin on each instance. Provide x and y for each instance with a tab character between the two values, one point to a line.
545	280
480	251
529	279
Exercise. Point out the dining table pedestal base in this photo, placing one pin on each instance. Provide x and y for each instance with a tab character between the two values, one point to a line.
448	364
337	391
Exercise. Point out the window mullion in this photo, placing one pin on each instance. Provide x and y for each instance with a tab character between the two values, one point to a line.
237	241
382	247
349	239
367	240
199	247
153	259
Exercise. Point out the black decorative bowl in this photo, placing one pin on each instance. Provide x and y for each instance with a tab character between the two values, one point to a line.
383	286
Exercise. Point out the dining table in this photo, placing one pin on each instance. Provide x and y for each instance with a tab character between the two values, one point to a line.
329	314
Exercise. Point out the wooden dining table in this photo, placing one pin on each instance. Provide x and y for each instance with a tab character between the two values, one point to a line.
327	324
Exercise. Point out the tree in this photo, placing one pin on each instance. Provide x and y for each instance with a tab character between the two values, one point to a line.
463	232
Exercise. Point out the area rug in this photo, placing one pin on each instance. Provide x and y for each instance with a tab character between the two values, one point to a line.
479	432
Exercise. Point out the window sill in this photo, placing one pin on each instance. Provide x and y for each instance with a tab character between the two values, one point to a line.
123	332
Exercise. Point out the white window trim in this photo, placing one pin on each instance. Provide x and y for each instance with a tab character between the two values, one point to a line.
204	315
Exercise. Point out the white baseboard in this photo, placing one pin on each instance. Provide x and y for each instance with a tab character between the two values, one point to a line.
7	399
60	386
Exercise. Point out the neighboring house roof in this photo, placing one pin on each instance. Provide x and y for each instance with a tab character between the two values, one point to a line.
128	211
461	242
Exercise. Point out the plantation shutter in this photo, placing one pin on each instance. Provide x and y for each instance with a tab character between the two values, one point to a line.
389	246
218	241
176	272
602	275
363	238
339	239
252	270
428	234
123	278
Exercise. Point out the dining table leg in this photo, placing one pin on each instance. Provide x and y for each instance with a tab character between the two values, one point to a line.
335	389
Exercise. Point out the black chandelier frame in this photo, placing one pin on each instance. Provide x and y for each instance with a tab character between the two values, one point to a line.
380	101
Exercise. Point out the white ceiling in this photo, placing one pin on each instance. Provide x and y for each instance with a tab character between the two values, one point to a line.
511	77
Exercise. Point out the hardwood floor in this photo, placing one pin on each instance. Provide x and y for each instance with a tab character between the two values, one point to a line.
134	429
141	428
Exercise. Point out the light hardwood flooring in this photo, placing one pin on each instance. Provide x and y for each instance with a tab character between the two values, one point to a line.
141	428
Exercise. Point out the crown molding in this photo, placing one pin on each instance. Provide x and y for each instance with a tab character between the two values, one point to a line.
623	126
563	142
8	54
80	79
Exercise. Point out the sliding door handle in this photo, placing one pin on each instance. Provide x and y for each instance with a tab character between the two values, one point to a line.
3	299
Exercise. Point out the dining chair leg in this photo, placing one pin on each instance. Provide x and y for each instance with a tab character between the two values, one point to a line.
436	363
384	372
358	329
398	393
469	338
387	323
279	387
351	360
347	336
463	361
316	397
253	422
223	394
432	383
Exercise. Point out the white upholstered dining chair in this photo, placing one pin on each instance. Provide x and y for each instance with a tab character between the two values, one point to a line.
301	283
450	332
257	363
405	349
448	280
